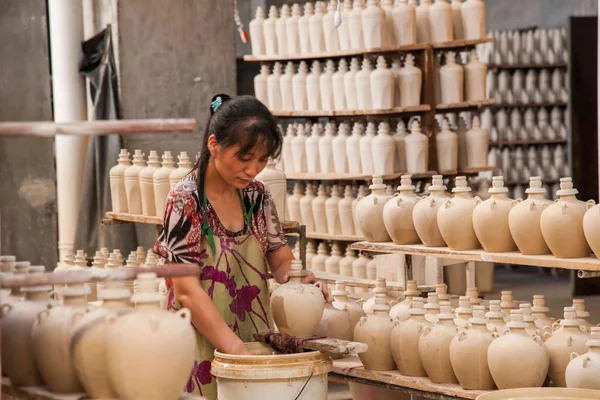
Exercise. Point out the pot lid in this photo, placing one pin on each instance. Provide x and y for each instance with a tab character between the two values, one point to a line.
595	337
579	305
498	185
460	185
406	184
516	320
437	184
535	186
445	311
566	187
377	183
570	317
75	291
296	270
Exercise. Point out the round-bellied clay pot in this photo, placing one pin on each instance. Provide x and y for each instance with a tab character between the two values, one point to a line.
369	212
583	370
425	214
591	229
398	214
434	346
401	311
404	340
374	330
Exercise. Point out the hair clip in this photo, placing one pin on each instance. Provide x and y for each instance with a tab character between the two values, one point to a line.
214	106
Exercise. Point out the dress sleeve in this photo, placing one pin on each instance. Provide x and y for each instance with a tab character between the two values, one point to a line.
180	239
275	236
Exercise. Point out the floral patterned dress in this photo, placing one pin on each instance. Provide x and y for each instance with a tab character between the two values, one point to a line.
234	275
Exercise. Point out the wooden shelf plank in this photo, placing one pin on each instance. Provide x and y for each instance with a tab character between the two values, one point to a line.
352	113
590	263
350	368
527	66
305	176
464	106
338	238
529	105
528	142
476	170
457	44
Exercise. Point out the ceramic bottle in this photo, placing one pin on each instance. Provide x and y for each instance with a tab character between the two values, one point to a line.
274	88
350	85
318	262
132	183
298	146
280	30
455	218
339	91
313	87
304	29
440	22
388	7
569	338
319	213
582	314
306	212
434	345
353	150
313	156
469	353
478	142
293	204
355	25
363	86
473	17
299	87
383	149
524	220
447	148
317	38
395	69
452	78
162	185
374	330
326	86
425	214
404	340
383	83
332	211
457	24
366	152
399	136
345	213
410	80
346	263
261	91
359	270
417	150
475	79
369	212
507	303
404	17
464	312
291	30
582	371
326	149
398	214
257	38
401	311
540	312
591	222
374	25
562	223
335	323
423	30
184	167
343	29
332	264
118	193
496	318
340	300
338	145
287	156
270	32
507	355
287	88
433	307
332	43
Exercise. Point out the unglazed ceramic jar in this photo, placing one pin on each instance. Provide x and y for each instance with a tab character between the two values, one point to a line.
591	228
257	37
340	300
383	150
404	340
447	148
380	288
297	307
374	330
398	213
425	214
433	307
132	183
401	311
404	20
583	370
417	150
374	25
496	318
382	86
540	312
335	323
411	80
117	183
369	212
582	314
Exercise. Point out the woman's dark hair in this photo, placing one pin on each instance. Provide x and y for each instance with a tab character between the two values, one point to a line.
242	121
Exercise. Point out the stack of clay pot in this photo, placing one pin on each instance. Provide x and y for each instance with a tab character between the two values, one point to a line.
529	88
530	47
364	25
142	188
461	82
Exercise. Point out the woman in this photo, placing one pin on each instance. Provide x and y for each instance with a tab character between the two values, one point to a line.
221	219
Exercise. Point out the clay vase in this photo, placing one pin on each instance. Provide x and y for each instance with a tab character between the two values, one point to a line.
89	341
18	361
326	150
318	262
338	146
341	301
404	340
304	29
410	79
257	37
275	181
118	192
261	91
346	264
369	212
417	150
306	212
319	213
496	318
345	213
162	185
380	288
469	353
463	312
582	371
398	212
291	30
353	149
339	89
287	88
359	270
404	17
313	159
383	150
280	30
507	303
425	213
335	323
399	137
452	78
332	264
582	314
344	29
132	183
270	32
374	330
363	86
440	21
473	17
490	219
423	29
51	338
326	86
383	83
478	143
362	192
299	87
332	41
274	88
401	311
569	338
591	224
355	25
433	307
293	204
517	359
374	25
313	90
524	220
447	148
434	347
457	24
366	152
184	167
455	218
562	223
475	79
540	312
298	147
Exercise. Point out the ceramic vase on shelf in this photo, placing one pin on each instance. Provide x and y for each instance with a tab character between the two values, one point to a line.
404	340
326	86
359	270
332	43
423	30
313	87
132	183
374	330
473	17
118	193
293	204
325	149
374	25
280	30
319	213
355	25
350	84
298	147
304	29
287	87
340	158
591	224
452	77
475	79
404	17
457	24
478	142
340	300
398	214
363	86
455	218
362	192
162	185
313	159
306	211
383	149
440	22
383	82
344	29
447	148
332	211
257	38
353	151
410	79
317	37
582	314
332	264
147	185
318	262
346	265
291	30
425	214
184	167
582	371
270	32
539	310
299	87
401	311
339	91
399	137
496	317
369	212
562	223
366	151
417	150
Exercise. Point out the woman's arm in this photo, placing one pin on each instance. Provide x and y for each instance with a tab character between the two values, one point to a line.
205	316
280	262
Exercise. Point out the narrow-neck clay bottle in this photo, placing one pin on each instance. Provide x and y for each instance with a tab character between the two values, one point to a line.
326	86
325	149
417	150
591	221
345	212
162	185
275	180
425	214
299	87
304	29
398	214
117	183
332	42
582	371
319	213
355	25
313	91
383	150
507	303
452	80
475	79
374	330
311	251
540	312
362	192
332	264
260	85
478	142
318	262
291	30
293	204
344	29
461	131
496	317
582	314
383	83
457	24
299	150
353	149
363	86
423	35
340	158
366	154
317	37
184	167
404	340
440	21
270	32
132	183
257	36
339	95
274	88
340	300
306	213
463	312
562	223
280	30
369	212
332	211
410	79
432	307
404	23
434	346
401	311
395	69
287	87
374	25
400	156
350	84
473	17
455	217
447	148
359	270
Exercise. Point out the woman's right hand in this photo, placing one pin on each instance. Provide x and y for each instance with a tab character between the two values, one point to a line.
238	348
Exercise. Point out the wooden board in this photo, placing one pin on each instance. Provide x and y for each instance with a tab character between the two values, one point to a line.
352	113
588	263
457	44
306	176
464	105
335	238
351	367
334	347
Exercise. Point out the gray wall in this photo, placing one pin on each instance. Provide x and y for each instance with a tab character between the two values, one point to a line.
28	221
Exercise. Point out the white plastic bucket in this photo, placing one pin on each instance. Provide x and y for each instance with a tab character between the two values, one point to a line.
267	375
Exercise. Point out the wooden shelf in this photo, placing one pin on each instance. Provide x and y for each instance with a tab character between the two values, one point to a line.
464	106
528	142
365	283
476	170
353	113
305	176
458	44
527	66
530	105
590	263
334	238
351	369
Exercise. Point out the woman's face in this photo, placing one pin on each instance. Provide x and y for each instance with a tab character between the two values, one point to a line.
236	168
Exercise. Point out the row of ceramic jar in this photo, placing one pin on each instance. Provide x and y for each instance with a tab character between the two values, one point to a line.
108	351
533	46
549	165
499	224
461	82
142	188
348	88
288	32
529	125
535	91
